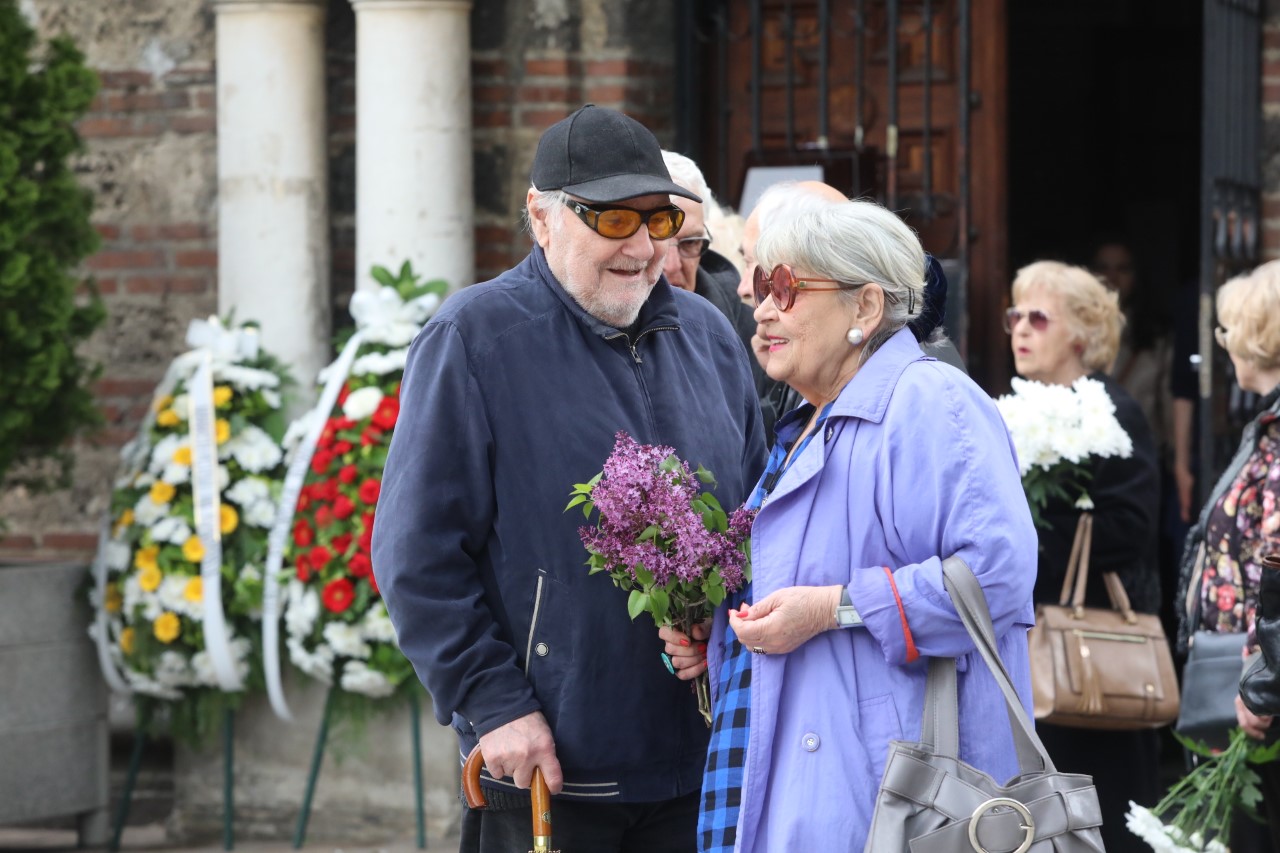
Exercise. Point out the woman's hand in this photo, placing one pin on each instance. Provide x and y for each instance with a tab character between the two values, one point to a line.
688	655
785	620
1253	725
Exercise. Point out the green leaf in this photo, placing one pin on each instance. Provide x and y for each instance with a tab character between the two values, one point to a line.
649	532
637	603
698	506
670	464
711	501
586	509
574	502
705	476
383	276
659	604
715	595
644	577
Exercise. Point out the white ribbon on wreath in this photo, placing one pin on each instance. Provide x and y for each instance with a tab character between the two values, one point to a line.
382	317
212	344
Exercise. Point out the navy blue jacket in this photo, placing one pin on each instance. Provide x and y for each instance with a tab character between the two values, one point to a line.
512	394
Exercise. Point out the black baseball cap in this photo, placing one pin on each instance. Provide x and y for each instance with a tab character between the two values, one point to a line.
601	155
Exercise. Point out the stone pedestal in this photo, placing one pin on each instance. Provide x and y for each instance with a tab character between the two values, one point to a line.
365	790
53	702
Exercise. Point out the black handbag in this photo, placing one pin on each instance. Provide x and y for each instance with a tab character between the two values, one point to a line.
1210	681
931	802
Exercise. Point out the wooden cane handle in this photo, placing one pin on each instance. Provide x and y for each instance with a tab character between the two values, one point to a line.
471	790
538	792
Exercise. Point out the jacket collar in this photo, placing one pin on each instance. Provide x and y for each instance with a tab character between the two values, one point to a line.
867	394
658	310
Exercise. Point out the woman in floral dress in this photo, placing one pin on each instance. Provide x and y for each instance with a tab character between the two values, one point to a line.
1240	523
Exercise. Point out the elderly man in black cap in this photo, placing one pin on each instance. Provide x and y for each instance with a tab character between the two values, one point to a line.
512	393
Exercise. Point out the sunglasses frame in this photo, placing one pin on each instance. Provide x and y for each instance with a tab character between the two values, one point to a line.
786	299
702	250
1013	316
590	216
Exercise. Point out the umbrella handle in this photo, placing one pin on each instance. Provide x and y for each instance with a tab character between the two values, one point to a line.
541	797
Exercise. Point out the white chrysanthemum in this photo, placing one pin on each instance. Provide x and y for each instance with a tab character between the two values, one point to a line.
143	480
150	687
172	596
247	491
135	453
245	378
260	514
172	670
301	611
345	639
170	529
1053	423
175	474
254	450
147	512
376	625
358	678
181	405
271	398
162	453
223	478
298	430
1146	825
380	363
362	402
317	664
250	573
117	555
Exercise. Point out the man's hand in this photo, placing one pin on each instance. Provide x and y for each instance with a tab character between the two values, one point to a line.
518	747
1253	725
785	620
688	653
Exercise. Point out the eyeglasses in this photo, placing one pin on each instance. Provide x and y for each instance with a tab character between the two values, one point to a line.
1037	318
783	286
619	223
693	247
1220	335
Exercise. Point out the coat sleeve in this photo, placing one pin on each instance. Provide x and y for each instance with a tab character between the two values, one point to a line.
434	518
946	483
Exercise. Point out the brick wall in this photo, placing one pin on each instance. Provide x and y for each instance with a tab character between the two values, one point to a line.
151	161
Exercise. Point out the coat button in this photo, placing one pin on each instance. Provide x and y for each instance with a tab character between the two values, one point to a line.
811	742
541	650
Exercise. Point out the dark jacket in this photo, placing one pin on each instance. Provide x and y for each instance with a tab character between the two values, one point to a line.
512	394
1188	600
1125	494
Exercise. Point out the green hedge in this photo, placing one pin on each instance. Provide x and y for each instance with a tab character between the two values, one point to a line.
45	233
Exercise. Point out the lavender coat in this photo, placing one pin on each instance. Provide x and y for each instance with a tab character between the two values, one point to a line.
914	464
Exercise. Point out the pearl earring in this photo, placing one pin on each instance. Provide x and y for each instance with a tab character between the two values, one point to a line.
855	336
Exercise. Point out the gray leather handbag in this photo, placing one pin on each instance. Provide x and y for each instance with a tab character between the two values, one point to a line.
931	802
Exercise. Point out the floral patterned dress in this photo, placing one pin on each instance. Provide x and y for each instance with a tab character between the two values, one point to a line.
1243	527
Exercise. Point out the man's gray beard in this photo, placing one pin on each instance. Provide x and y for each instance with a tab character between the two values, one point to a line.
613	314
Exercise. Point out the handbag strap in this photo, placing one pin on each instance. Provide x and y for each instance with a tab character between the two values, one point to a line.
1077	579
940	726
1073	585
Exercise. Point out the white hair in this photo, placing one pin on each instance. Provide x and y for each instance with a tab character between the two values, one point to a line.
686	173
785	200
853	242
546	201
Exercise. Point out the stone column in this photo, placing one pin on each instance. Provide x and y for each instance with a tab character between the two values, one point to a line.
273	206
414	196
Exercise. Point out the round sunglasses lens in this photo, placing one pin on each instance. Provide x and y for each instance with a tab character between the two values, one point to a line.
760	283
618	224
783	287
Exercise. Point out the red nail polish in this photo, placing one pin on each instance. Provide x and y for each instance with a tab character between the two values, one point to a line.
684	642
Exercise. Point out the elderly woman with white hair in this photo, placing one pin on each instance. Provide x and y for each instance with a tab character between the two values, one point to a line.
1064	325
894	462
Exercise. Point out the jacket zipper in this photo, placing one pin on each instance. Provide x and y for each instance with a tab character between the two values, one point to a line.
533	625
635	354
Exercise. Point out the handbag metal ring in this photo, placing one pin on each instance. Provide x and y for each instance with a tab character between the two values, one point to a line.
1028	825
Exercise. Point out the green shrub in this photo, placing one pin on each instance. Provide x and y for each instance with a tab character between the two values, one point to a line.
44	234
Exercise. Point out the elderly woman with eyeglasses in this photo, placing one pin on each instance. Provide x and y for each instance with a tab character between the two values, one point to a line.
894	462
1239	525
1064	325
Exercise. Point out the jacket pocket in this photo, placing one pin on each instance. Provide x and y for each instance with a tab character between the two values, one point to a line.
878	722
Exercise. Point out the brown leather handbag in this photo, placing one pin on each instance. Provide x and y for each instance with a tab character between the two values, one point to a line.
1096	668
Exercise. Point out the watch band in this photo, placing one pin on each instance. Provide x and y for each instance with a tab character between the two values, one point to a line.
846	614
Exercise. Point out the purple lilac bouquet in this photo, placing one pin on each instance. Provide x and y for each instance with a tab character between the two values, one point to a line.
662	538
